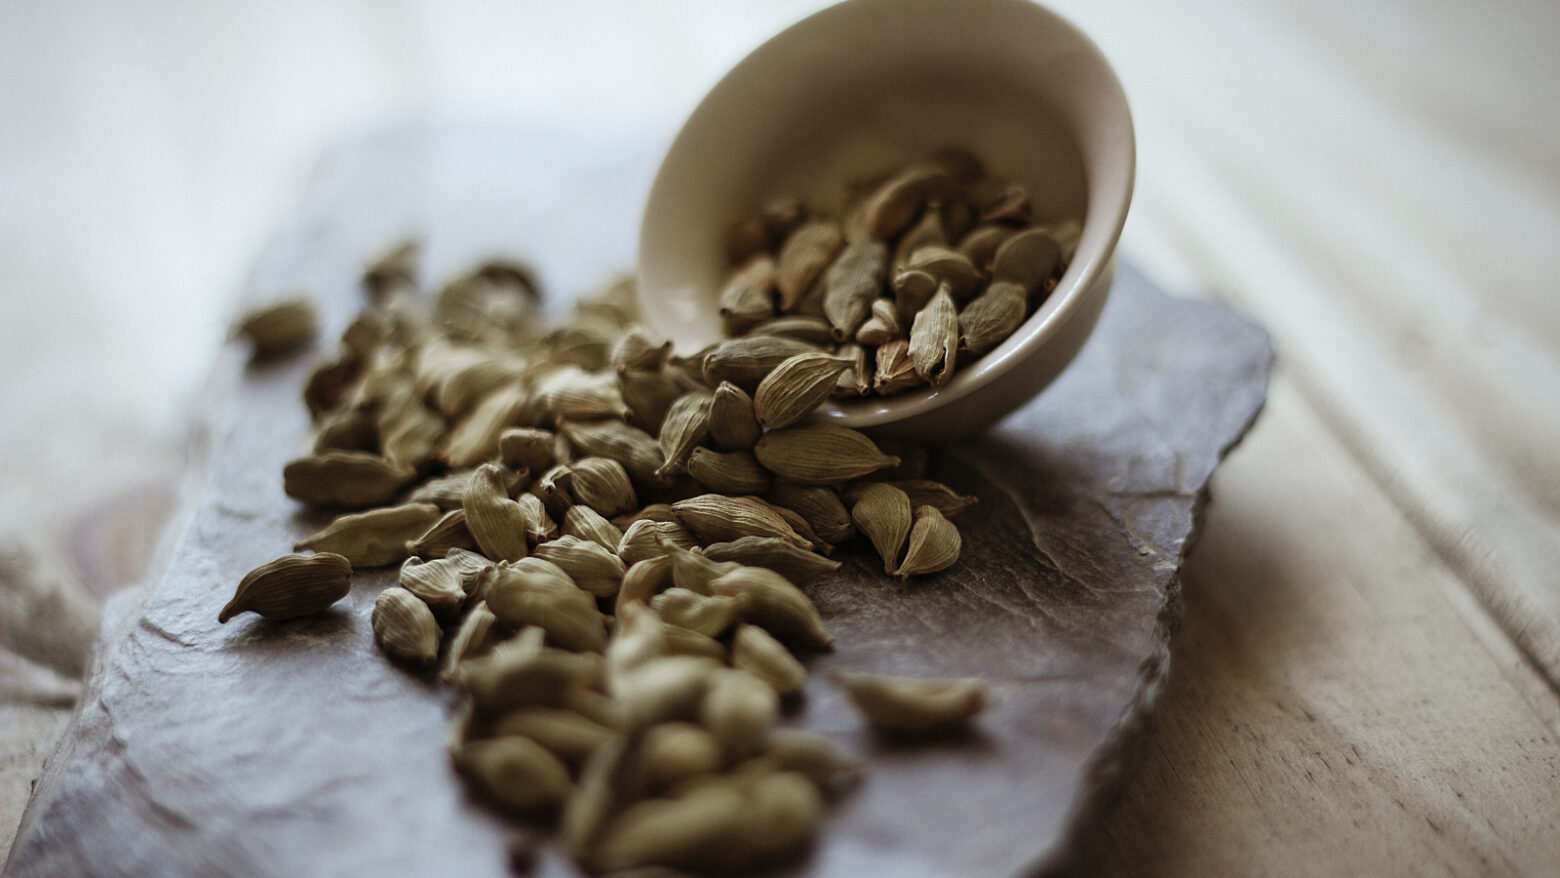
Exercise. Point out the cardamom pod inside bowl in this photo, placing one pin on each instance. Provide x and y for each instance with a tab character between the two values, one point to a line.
866	88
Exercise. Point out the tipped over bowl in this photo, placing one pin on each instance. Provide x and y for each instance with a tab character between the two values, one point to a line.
867	86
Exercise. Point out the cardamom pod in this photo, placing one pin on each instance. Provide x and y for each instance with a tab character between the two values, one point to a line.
795	388
757	651
470	566
733	426
850	285
436	583
473	638
599	796
344	478
715	518
928	230
857	380
819	454
376	537
883	513
345	429
799	526
522	671
475	438
637	349
913	288
691	570
291	586
1011	205
449	491
738	710
681	832
980	245
801	566
648	396
539	526
895	204
672	752
404	627
536	592
803	257
748	296
745	361
602	484
991	317
563	733
553	489
631	447
811	755
449	532
592	567
687	424
588	524
516	772
912	704
883	326
820	506
925	492
685	641
1027	259
775	605
496	522
661	689
895	371
736	472
950	267
642	541
412	435
934	544
280	326
934	339
709	615
526	449
642	582
637	638
802	327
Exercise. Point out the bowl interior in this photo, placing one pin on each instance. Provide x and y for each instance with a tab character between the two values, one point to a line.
861	88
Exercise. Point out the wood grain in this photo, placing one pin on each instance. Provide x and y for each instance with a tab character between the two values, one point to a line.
1330	709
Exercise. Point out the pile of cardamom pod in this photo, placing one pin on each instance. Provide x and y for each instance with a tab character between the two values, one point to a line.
929	268
605	548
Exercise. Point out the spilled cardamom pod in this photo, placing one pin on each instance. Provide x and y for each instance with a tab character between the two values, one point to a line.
516	772
738	709
736	472
925	492
449	532
820	454
344	478
536	592
801	566
436	583
687	424
592	567
912	704
709	615
775	605
404	627
280	327
733	426
643	540
588	524
634	449
757	651
820	506
745	361
715	518
934	544
497	523
376	537
672	752
291	586
883	513
602	484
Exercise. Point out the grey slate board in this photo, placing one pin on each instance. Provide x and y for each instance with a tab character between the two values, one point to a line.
294	749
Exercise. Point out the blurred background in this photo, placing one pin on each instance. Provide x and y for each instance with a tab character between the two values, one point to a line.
1385	170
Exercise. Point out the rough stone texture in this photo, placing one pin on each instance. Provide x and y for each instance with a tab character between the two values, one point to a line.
295	749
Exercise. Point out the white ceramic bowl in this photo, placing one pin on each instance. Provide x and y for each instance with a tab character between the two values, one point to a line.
862	87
